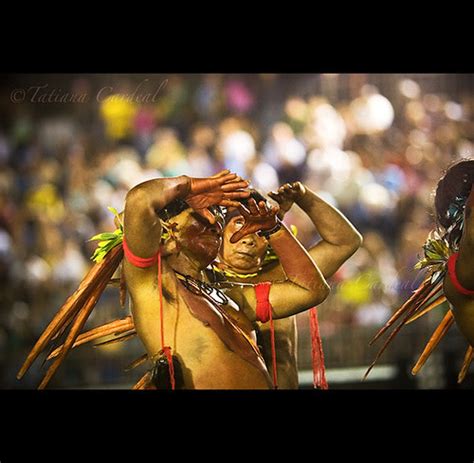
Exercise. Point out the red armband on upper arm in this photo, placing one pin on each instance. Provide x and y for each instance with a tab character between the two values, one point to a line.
264	308
454	279
141	262
264	314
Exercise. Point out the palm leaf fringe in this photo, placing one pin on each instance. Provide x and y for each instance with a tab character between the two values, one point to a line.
115	327
466	364
139	361
409	309
143	382
90	289
438	334
437	302
128	335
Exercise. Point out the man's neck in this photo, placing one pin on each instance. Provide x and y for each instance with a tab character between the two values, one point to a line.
223	266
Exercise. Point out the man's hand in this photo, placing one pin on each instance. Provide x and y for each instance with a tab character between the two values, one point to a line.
286	195
222	189
257	217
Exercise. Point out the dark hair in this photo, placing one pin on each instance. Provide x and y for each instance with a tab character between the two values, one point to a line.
455	185
175	207
233	212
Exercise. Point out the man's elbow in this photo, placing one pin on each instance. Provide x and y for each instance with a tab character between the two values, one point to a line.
354	244
357	241
320	293
135	195
137	206
136	199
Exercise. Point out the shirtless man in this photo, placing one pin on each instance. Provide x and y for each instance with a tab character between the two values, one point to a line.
448	254
242	262
208	332
458	282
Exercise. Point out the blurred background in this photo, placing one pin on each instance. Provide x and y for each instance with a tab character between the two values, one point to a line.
373	145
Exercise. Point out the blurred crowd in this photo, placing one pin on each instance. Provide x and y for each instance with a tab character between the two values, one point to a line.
372	145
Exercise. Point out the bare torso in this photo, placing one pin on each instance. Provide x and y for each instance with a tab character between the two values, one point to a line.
206	361
285	335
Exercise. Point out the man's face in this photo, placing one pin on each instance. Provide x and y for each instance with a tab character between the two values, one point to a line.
245	256
197	237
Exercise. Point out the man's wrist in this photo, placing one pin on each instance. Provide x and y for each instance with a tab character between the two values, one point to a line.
185	184
271	231
304	200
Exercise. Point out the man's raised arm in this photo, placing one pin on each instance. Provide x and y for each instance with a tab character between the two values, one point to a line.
340	239
304	286
142	226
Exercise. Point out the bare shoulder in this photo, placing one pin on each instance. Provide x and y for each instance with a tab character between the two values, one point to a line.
237	295
454	297
137	277
463	309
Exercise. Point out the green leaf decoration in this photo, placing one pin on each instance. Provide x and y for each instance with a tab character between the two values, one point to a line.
113	210
107	240
103	236
436	252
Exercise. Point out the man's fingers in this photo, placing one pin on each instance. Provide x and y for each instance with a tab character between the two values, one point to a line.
280	197
243	210
207	214
252	205
237	194
226	179
238	235
262	208
274	210
229	203
232	186
221	173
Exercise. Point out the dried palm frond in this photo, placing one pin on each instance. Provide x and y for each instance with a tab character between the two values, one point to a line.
115	327
90	288
137	362
422	294
143	382
128	335
432	305
82	316
123	290
410	308
466	363
438	334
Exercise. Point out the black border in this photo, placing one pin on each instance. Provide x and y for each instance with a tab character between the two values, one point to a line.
370	425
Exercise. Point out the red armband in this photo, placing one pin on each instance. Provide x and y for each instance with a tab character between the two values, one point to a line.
454	279
264	308
264	314
145	262
142	262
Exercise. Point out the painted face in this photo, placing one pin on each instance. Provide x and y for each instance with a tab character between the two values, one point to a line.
197	237
245	256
